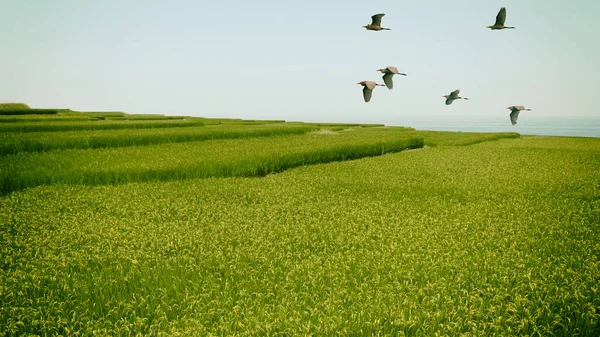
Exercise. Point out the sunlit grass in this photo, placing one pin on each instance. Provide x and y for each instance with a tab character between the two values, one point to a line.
21	111
211	158
13	106
50	126
492	239
43	118
12	143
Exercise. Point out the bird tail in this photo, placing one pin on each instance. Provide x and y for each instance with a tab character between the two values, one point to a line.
509	27
385	29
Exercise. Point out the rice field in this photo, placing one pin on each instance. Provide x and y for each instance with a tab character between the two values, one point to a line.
469	234
11	143
256	156
95	125
43	118
145	117
20	111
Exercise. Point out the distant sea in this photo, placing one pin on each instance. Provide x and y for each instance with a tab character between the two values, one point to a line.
528	124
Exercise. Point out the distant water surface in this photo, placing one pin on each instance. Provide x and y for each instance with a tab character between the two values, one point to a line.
527	124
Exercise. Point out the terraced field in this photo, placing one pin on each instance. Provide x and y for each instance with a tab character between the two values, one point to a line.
11	143
477	235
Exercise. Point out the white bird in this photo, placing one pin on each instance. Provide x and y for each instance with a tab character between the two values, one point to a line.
368	89
388	73
453	95
514	112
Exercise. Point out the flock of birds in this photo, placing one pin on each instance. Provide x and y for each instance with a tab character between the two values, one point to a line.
389	71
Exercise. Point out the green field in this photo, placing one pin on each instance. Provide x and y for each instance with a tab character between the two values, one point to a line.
285	229
11	143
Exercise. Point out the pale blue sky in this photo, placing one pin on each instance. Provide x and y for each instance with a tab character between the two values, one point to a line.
300	60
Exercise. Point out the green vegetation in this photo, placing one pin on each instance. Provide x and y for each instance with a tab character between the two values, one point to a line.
445	138
212	158
13	106
493	239
102	114
44	118
105	229
229	121
96	125
45	141
29	112
333	125
146	117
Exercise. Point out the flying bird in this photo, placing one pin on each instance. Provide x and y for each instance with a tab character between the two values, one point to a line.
368	87
514	112
453	95
376	23
500	18
388	73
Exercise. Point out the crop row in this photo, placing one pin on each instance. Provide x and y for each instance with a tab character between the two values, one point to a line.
144	117
43	118
28	112
448	138
213	158
95	125
11	143
94	114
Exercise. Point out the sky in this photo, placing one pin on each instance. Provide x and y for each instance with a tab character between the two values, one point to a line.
301	60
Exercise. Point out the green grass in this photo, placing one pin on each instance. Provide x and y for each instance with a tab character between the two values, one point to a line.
13	106
99	114
43	118
349	124
145	117
11	143
493	239
448	138
95	125
20	111
219	121
212	158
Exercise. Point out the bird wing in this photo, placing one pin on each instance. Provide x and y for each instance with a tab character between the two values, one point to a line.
501	17
519	107
454	94
370	84
513	116
376	19
367	93
393	69
387	79
449	100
